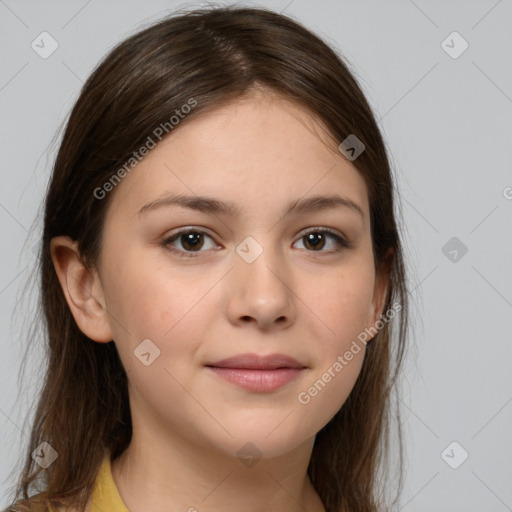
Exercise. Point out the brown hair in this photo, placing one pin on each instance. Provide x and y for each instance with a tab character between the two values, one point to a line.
213	55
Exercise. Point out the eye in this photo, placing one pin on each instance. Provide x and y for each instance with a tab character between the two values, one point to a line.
190	240
317	239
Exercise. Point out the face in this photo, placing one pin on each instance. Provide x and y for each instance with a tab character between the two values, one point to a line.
190	286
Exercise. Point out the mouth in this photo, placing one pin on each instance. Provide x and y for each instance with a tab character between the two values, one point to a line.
258	373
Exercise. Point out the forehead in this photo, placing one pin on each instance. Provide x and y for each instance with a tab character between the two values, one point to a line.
258	151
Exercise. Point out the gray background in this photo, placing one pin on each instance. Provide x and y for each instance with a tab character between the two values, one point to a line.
447	122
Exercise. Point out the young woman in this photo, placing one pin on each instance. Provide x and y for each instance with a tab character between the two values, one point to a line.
221	270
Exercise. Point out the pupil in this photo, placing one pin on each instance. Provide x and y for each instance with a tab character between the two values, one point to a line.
191	239
314	236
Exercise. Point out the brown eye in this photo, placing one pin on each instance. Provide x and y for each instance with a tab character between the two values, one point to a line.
317	239
191	241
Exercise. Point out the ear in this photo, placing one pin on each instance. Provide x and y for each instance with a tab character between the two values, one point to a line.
380	290
82	289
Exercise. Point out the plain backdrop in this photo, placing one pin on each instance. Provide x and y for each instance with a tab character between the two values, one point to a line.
444	104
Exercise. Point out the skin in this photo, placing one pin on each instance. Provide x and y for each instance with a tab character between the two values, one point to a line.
307	301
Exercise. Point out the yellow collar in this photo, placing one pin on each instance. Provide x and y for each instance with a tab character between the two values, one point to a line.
106	496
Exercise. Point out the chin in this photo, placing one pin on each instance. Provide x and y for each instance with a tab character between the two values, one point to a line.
265	439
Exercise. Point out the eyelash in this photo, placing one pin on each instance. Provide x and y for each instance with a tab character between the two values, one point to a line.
342	242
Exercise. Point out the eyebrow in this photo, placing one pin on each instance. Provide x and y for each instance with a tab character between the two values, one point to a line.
211	205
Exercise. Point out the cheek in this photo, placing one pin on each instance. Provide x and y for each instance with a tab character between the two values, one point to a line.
340	308
147	304
171	313
341	305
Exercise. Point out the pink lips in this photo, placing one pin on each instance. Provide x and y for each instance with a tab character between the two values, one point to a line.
258	373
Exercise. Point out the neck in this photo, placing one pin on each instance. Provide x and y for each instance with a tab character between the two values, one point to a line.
179	475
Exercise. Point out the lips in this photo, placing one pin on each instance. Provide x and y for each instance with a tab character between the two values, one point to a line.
260	374
257	362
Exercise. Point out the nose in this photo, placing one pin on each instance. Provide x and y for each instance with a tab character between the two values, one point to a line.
261	290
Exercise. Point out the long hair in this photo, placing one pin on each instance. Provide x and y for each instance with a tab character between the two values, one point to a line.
213	55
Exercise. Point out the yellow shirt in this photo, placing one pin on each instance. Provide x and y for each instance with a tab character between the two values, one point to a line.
105	496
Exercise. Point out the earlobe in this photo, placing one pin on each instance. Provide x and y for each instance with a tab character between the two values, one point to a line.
379	298
82	289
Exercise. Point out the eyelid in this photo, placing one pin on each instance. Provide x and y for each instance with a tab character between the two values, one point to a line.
322	229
